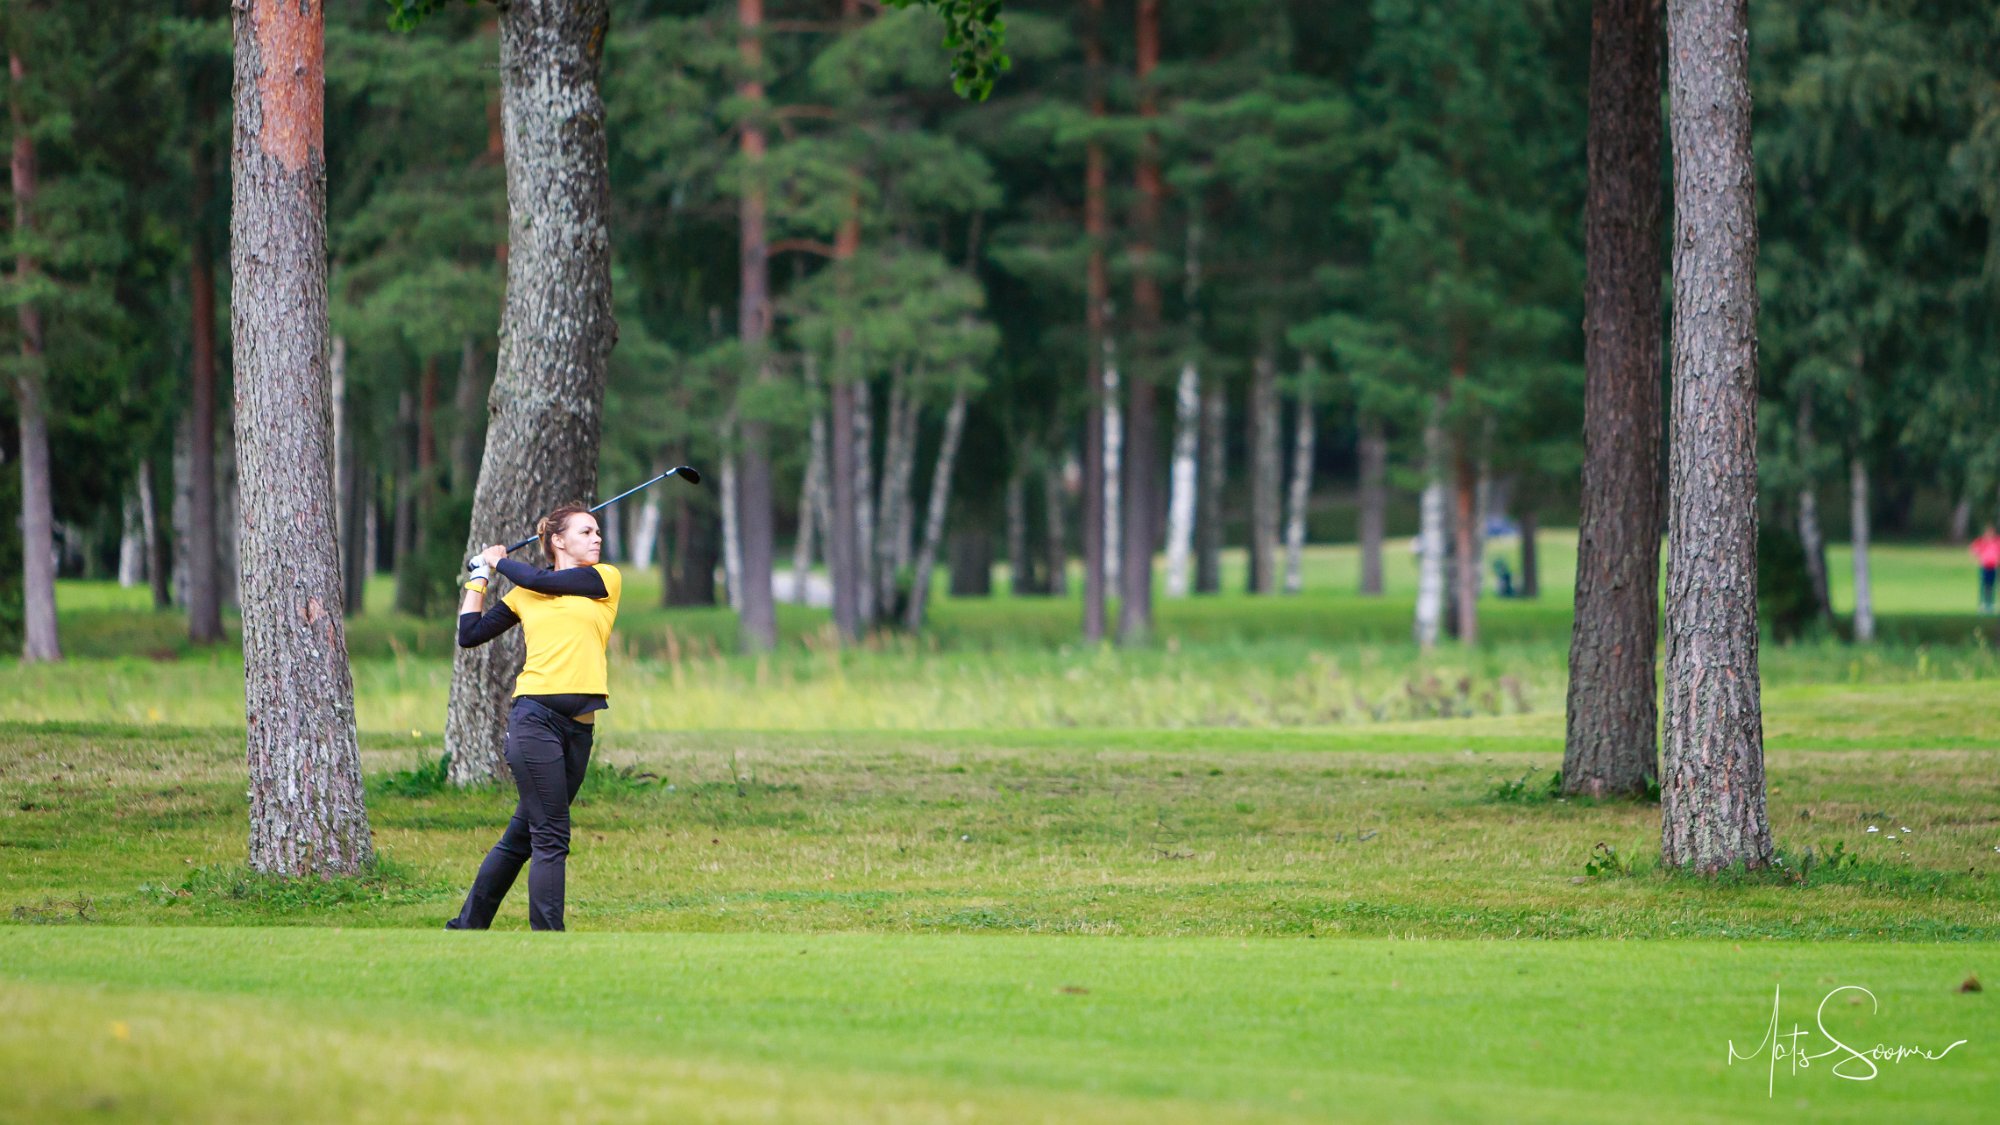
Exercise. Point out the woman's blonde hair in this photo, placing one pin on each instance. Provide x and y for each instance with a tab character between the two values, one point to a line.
554	524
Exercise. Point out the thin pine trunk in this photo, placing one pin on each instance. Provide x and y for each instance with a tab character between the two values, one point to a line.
844	541
204	591
556	328
1864	596
1020	569
307	815
40	640
1431	531
1465	548
1114	471
1531	569
809	503
467	398
1712	787
954	428
1612	715
1264	462
892	491
753	511
1374	455
1301	486
1208	507
1057	561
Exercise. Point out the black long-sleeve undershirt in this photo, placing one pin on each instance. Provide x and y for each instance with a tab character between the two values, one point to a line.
581	581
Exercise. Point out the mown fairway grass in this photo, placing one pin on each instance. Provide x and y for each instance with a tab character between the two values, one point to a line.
988	876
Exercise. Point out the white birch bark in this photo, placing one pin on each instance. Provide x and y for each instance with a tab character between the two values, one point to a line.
864	498
1181	503
131	545
732	543
954	427
1114	459
1301	485
1430	537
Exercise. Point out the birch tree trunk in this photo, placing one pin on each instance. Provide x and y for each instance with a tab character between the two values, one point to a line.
646	528
612	526
1141	492
904	541
1864	596
1264	469
1020	569
343	460
893	490
1373	452
1114	471
131	544
1812	537
843	533
545	416
1208	508
307	815
809	504
1431	531
864	502
1057	561
1301	488
732	543
1182	505
1712	788
920	587
1097	484
158	550
1612	715
40	641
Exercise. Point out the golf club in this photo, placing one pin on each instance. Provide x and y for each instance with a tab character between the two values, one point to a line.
683	471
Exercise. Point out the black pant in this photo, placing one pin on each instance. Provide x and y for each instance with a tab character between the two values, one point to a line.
547	753
1986	588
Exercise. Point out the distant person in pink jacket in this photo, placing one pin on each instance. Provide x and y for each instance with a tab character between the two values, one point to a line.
1986	551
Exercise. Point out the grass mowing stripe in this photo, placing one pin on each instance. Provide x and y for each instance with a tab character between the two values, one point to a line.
1627	1031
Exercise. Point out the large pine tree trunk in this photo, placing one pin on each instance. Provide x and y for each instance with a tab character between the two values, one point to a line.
1431	530
1208	508
1712	787
1097	295
1265	457
1301	486
306	808
1611	740
1864	595
1057	560
556	329
204	532
38	572
757	613
926	559
1812	537
1373	451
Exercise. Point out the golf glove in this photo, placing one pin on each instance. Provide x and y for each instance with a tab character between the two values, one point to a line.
481	570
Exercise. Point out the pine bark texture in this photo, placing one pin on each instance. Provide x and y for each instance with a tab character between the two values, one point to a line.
1712	787
40	640
556	328
307	815
1611	737
1373	452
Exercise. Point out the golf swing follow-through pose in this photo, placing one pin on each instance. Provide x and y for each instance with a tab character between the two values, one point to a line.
566	612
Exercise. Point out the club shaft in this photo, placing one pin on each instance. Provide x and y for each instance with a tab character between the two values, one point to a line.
608	503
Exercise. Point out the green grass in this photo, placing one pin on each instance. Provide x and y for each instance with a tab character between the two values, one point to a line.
1277	865
273	1024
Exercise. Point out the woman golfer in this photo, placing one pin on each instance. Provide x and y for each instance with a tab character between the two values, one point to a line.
566	612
